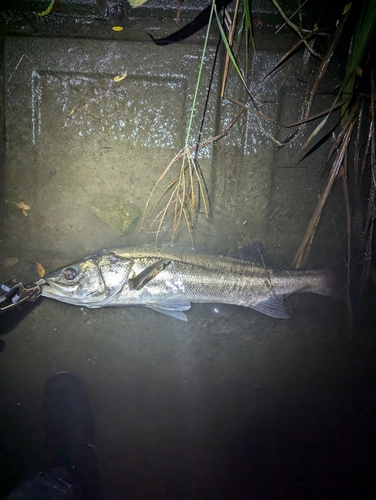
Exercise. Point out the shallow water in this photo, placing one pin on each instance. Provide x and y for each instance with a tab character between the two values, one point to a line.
232	404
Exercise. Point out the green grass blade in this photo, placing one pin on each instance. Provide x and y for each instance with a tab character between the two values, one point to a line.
360	40
248	24
189	128
229	50
48	10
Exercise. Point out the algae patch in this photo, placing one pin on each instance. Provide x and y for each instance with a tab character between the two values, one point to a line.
117	214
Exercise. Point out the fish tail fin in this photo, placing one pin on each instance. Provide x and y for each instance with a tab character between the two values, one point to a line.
336	276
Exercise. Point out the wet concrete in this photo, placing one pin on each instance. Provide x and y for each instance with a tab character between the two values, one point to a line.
232	404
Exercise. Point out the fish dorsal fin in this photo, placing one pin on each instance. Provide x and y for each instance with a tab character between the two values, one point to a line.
273	307
150	272
254	252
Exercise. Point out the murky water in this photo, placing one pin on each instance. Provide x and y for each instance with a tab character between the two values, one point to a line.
230	405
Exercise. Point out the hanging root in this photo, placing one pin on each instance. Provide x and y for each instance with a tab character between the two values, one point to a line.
187	192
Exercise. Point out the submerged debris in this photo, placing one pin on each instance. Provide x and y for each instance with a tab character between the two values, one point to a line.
22	206
117	214
121	77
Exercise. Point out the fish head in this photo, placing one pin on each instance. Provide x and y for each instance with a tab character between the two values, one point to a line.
91	282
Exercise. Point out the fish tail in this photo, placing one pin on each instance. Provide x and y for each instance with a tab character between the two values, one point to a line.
336	276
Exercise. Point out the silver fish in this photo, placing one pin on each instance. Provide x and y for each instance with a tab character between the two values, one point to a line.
169	281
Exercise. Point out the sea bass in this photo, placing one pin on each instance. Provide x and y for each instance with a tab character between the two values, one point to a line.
168	281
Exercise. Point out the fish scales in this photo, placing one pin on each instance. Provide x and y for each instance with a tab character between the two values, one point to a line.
203	278
168	281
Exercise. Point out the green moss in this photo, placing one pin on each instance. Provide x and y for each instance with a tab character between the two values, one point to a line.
117	214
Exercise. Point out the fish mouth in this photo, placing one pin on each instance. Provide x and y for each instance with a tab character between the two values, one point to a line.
51	289
48	285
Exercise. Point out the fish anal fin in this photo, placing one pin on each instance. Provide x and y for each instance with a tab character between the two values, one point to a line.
272	306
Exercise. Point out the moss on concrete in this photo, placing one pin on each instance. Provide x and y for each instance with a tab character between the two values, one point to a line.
117	214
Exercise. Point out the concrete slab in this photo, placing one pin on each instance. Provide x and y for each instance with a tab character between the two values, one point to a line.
84	135
73	135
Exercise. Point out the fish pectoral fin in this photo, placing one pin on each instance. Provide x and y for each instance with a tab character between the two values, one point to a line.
172	308
148	274
273	307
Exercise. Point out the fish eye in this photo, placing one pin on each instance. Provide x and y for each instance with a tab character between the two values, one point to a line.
70	273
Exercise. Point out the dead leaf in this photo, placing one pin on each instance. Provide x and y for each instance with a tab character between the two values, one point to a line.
121	77
22	206
40	269
11	261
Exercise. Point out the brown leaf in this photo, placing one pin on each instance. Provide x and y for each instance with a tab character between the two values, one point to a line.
121	77
40	269
22	206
